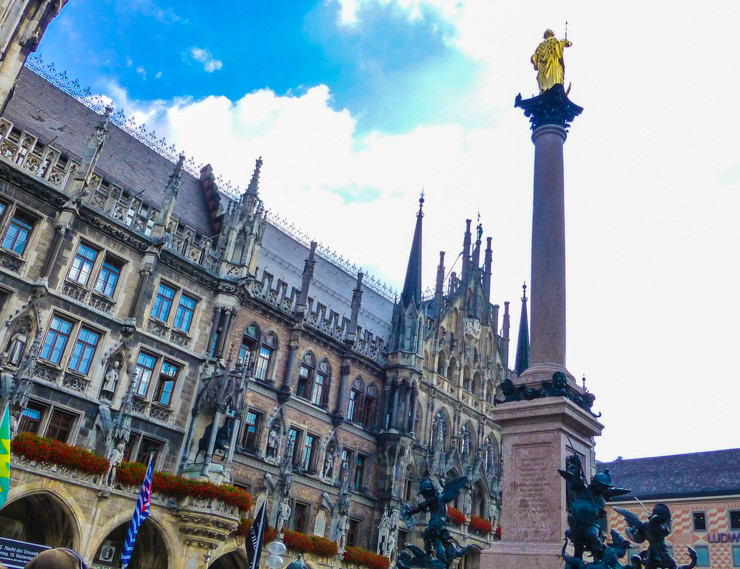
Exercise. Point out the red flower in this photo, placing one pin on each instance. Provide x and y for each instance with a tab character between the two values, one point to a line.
481	525
369	559
50	451
455	515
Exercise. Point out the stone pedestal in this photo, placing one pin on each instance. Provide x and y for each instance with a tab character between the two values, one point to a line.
538	435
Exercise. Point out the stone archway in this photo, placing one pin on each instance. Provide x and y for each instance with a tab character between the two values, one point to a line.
40	517
150	551
232	560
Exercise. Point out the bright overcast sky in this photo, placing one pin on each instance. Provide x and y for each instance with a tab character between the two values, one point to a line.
355	105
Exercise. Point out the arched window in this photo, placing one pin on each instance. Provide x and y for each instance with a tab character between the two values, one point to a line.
464	441
263	365
476	388
250	344
408	485
466	378
306	376
369	406
452	370
320	391
442	364
489	391
355	400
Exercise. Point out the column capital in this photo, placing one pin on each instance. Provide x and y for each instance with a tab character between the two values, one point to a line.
553	107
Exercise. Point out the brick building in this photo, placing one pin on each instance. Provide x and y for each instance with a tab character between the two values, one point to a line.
149	304
702	491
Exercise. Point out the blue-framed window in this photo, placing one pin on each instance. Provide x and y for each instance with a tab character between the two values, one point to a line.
56	340
184	314
165	387
163	303
82	264
16	236
83	352
108	279
143	373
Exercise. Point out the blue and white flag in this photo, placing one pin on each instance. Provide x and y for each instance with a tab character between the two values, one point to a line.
140	514
255	537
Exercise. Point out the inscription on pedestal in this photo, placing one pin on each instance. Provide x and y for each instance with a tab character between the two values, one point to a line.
533	497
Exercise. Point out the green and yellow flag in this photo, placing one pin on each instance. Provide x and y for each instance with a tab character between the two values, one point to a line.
5	456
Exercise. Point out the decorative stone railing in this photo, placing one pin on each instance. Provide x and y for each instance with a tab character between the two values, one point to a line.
205	523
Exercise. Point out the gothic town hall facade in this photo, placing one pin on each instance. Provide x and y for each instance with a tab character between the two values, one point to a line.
149	309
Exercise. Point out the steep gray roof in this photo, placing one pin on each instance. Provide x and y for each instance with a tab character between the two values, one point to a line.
711	473
51	114
283	257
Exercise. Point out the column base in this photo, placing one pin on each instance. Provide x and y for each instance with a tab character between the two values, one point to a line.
520	554
540	372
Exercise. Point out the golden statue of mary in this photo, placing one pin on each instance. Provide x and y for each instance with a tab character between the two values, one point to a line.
548	61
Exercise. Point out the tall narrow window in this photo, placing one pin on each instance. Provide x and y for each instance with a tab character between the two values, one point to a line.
163	303
293	436
108	278
82	264
16	236
317	397
360	471
184	314
368	406
166	384
251	426
56	340
308	451
263	363
304	378
353	397
143	373
31	418
83	352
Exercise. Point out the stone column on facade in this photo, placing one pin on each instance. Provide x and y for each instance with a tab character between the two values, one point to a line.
211	443
342	396
217	311
60	230
223	333
287	386
387	410
232	448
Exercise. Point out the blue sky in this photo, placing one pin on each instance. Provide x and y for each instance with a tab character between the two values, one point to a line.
391	72
355	105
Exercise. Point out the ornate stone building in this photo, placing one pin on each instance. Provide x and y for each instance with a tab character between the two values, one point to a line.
148	304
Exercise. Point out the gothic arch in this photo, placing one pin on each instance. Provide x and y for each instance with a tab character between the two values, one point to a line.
234	559
152	550
477	386
43	517
442	363
452	370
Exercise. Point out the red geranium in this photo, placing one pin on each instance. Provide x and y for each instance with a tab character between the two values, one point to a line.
367	558
50	451
455	515
481	525
295	541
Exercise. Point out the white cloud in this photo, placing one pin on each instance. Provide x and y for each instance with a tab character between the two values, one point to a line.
204	56
651	195
141	71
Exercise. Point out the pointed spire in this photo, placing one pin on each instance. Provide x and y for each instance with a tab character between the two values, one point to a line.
505	335
438	289
308	267
466	255
412	284
487	266
173	183
349	337
253	188
522	346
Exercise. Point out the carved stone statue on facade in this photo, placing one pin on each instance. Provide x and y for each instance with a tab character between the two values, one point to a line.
273	441
17	346
284	512
439	547
467	502
328	462
115	458
110	382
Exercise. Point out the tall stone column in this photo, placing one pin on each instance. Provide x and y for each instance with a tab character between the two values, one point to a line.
539	434
547	336
550	115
